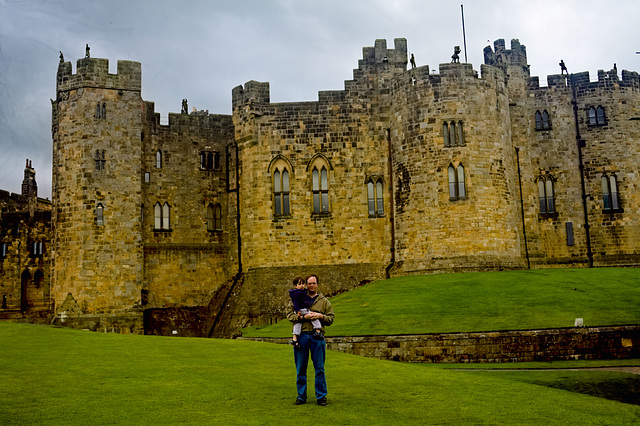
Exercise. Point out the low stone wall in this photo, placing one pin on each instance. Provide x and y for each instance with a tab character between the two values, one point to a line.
616	342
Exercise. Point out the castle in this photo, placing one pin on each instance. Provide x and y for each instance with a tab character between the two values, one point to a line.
198	227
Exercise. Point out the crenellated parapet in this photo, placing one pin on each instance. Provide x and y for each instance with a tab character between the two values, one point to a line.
252	92
94	72
380	58
502	57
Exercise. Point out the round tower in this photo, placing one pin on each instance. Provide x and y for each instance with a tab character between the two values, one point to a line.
97	253
453	171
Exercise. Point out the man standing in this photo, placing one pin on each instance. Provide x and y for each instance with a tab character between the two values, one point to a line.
322	310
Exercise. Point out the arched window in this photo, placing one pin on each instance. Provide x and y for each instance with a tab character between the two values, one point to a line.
157	212
452	134
210	218
99	214
545	119
104	111
98	111
542	120
374	198
592	115
600	115
166	214
460	134
320	187
217	218
546	194
281	192
457	186
158	159
445	134
610	193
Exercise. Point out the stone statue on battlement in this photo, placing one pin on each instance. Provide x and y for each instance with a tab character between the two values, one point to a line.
455	58
563	68
87	48
61	57
185	106
413	61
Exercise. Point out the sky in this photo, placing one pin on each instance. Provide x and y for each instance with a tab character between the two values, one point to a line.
201	50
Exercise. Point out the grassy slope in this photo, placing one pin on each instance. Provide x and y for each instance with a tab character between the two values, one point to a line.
62	376
486	301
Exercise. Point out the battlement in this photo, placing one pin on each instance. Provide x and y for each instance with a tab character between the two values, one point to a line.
253	91
582	80
502	57
380	57
94	72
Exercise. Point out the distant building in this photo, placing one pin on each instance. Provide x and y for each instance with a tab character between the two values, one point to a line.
198	227
25	253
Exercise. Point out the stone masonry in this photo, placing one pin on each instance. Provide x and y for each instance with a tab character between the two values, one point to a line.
403	171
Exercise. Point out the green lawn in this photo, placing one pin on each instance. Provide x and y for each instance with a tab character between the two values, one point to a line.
62	376
484	301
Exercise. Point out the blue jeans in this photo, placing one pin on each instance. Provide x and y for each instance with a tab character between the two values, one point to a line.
317	348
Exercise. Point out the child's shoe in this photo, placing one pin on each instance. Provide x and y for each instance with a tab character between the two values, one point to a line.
295	343
318	335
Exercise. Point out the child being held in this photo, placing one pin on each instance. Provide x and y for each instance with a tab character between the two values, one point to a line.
301	304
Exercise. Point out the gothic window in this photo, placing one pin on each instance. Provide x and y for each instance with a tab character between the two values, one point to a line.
374	197
217	218
596	116
100	214
166	214
158	159
162	214
610	193
104	111
445	133
542	120
37	248
546	195
101	110
457	188
210	218
100	159
281	192
320	187
453	133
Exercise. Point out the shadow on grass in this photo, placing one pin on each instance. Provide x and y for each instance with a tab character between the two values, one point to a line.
621	389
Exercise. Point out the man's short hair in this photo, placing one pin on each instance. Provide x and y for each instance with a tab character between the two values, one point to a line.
315	276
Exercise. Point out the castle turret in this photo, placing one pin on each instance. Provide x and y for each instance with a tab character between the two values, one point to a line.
29	185
97	264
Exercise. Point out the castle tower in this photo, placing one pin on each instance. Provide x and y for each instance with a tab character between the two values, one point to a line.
453	171
29	185
97	253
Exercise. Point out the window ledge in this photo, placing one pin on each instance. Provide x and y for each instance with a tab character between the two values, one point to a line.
543	129
162	230
611	211
321	215
279	217
458	199
376	216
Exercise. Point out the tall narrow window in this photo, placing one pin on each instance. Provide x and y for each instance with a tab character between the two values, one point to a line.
610	193
98	112
217	218
104	111
546	194
158	159
281	192
166	214
452	134
600	115
210	218
157	212
592	116
320	190
3	250
371	197
379	203
545	119
457	188
538	120
460	134
100	214
445	133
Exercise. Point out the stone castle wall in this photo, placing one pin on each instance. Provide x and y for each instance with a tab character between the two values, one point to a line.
384	130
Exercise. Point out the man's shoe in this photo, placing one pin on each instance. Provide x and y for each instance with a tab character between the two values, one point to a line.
300	401
322	401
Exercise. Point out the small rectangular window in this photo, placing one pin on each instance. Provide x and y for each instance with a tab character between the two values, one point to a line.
147	177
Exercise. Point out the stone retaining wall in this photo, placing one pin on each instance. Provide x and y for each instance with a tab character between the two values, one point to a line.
615	342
